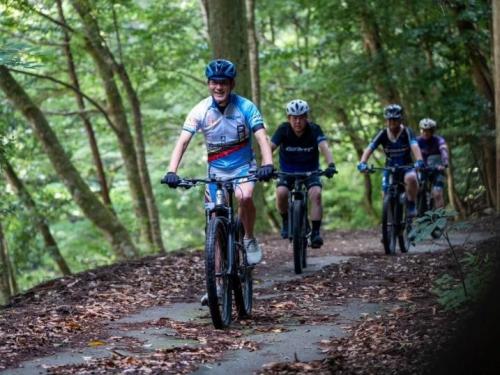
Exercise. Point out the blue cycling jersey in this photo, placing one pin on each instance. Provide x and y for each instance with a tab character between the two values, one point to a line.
397	148
227	131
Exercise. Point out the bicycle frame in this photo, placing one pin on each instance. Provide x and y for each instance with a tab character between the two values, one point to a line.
225	256
394	221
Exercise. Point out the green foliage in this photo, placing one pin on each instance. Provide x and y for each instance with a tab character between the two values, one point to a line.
432	222
479	272
312	50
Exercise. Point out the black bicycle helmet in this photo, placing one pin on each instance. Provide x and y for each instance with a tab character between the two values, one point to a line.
393	111
220	69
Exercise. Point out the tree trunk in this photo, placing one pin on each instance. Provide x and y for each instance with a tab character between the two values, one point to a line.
228	31
455	201
484	83
83	115
384	86
253	51
358	145
40	222
7	288
104	62
496	54
101	216
227	28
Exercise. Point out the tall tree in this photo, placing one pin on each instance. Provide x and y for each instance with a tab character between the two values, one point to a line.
253	51
496	53
40	221
133	151
483	80
99	214
227	28
8	285
81	106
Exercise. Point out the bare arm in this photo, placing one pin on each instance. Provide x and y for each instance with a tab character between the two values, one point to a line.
415	149
179	149
264	145
366	155
325	150
273	147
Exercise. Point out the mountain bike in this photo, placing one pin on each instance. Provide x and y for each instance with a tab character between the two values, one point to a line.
425	201
299	228
395	224
226	268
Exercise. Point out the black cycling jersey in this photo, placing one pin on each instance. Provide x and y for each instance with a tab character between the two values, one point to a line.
397	150
298	154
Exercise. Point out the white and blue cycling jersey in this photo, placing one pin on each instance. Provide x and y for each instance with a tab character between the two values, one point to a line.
227	132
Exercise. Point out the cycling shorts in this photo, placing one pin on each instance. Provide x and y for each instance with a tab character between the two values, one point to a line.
288	181
437	180
243	171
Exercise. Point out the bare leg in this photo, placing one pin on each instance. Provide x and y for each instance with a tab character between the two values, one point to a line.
246	210
282	199
437	194
316	206
411	186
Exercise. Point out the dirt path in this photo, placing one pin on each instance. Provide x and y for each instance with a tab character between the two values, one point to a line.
144	316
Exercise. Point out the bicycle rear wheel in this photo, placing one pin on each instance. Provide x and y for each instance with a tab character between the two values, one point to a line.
298	235
243	282
388	226
216	273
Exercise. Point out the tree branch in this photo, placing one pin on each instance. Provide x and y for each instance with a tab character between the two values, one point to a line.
55	80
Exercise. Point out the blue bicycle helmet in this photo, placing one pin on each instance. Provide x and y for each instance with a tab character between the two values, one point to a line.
220	69
393	111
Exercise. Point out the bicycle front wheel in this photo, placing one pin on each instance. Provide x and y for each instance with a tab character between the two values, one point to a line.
298	235
243	282
388	226
404	228
218	280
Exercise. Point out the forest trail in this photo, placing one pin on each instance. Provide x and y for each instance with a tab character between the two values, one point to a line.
144	316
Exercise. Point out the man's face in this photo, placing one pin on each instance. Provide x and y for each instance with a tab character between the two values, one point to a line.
298	123
220	90
426	133
393	124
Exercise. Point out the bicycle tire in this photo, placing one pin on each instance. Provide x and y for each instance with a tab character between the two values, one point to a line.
388	228
243	282
403	228
307	232
216	273
298	235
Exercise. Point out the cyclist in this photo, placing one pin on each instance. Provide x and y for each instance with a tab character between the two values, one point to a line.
300	141
435	153
228	122
399	144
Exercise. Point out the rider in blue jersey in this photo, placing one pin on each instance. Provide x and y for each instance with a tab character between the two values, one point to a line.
228	123
399	144
435	153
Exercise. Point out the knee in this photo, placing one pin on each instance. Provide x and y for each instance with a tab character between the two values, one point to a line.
315	195
244	200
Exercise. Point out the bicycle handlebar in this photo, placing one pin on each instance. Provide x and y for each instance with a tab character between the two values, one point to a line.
318	172
188	183
372	169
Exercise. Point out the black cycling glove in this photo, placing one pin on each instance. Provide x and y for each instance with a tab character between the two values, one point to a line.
171	179
265	172
331	170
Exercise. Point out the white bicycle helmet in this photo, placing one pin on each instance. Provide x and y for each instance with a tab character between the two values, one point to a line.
427	123
297	107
